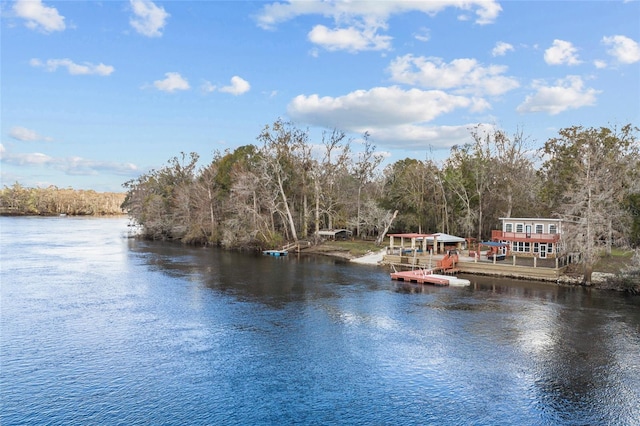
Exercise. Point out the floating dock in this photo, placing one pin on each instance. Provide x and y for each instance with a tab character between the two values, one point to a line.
275	253
426	276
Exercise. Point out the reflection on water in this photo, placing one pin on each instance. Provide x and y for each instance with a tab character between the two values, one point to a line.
100	329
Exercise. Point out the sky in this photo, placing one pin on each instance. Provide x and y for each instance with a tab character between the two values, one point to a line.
96	93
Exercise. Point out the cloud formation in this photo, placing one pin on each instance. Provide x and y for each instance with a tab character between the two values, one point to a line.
38	16
561	53
375	108
501	48
624	49
149	19
357	24
73	68
238	86
351	39
463	76
71	165
422	137
173	81
567	93
27	135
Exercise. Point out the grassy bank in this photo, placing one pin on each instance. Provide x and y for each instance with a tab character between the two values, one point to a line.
348	249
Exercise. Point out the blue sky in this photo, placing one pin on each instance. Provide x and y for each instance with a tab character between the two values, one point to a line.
96	93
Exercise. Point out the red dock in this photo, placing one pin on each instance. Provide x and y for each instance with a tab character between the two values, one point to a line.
420	276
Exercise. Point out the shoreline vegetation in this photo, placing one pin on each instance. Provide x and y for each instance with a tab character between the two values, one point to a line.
288	188
613	272
17	200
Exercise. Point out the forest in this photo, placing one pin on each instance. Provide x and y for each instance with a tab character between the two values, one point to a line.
17	200
286	187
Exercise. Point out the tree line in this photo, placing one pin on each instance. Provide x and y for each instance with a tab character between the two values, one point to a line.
52	201
287	187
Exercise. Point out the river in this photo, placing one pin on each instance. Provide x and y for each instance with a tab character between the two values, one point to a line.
97	328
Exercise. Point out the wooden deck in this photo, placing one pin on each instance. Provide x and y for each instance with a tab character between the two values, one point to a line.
467	265
419	277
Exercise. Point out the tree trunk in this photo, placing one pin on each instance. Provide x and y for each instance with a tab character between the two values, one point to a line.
588	271
358	214
292	224
317	209
380	238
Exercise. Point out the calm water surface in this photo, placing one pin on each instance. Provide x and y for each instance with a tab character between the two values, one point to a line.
100	329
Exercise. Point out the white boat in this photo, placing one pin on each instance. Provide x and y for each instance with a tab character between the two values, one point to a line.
426	276
453	281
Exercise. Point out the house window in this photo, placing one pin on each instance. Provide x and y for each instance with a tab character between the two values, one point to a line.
519	227
539	229
536	247
508	227
550	248
527	247
552	229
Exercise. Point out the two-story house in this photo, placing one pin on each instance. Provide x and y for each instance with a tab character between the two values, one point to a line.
531	237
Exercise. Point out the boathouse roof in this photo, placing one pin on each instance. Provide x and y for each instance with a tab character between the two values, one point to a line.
441	237
333	232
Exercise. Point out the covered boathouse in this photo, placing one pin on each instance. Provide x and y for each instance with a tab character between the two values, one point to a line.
437	243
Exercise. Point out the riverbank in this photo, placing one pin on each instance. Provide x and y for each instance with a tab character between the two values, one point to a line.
608	274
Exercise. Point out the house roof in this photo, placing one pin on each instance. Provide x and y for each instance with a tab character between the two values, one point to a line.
440	237
333	232
531	218
446	238
493	244
411	235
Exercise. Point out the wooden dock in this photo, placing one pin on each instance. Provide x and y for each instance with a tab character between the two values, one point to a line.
420	277
467	265
427	276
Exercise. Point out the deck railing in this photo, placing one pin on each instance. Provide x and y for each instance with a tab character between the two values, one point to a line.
524	236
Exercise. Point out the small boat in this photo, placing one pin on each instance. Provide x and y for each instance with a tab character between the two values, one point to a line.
276	253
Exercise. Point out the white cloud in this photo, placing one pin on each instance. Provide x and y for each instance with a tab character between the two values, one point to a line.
173	81
394	117
567	93
69	165
149	19
357	23
238	86
27	135
423	35
39	16
73	68
420	137
350	39
624	49
561	52
501	48
379	107
207	87
599	64
464	76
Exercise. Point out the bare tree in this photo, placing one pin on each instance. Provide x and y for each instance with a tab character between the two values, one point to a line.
323	174
363	170
283	148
